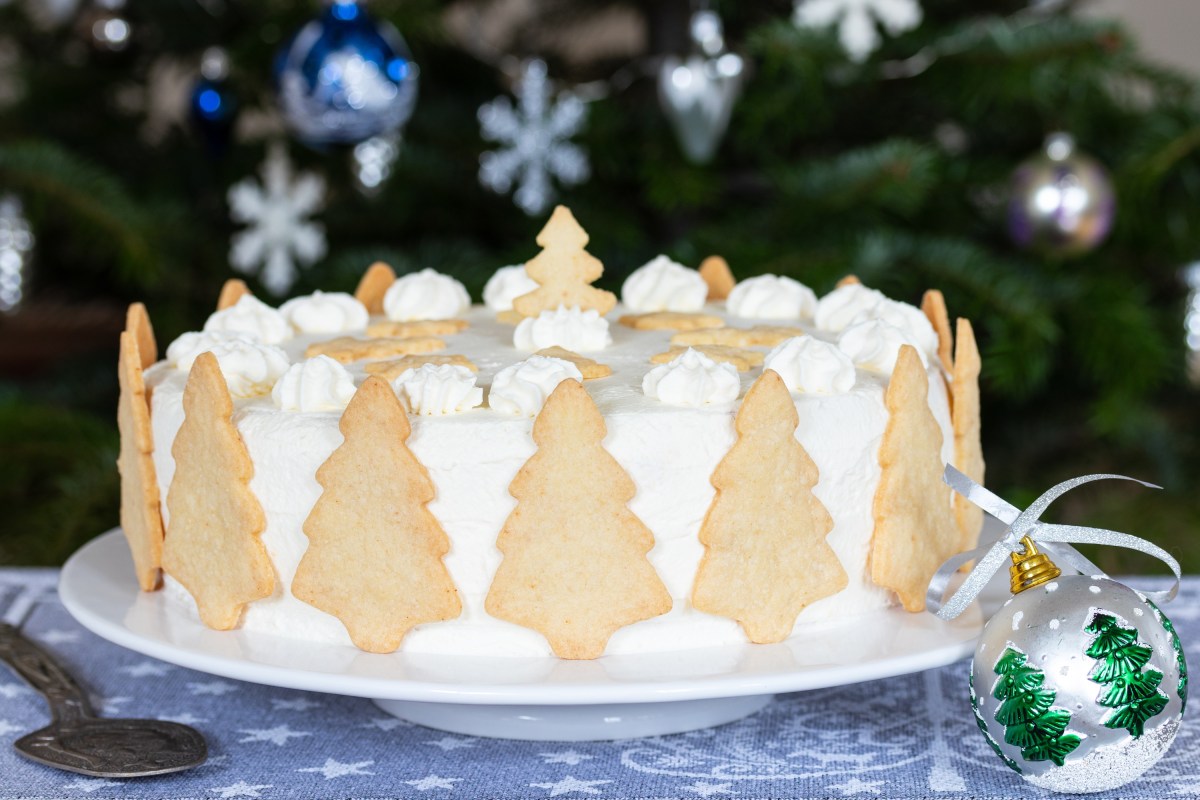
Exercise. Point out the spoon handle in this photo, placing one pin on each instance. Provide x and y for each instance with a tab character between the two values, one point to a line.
67	699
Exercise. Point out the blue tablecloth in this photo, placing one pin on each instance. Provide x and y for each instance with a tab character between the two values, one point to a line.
907	737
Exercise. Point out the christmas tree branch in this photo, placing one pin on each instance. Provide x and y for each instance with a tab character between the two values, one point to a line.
90	198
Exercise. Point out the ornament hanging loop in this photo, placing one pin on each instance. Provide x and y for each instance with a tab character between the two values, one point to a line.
1031	568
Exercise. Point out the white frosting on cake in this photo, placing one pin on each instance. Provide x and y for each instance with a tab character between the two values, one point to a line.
910	320
771	297
844	304
578	331
182	352
325	312
670	453
438	389
875	345
692	379
427	294
522	389
315	384
250	367
810	365
854	303
251	316
506	285
663	285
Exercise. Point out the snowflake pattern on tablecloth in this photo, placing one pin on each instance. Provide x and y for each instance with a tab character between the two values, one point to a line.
910	736
534	140
279	235
856	20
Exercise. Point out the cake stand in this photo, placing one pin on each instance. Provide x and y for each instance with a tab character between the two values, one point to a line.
547	699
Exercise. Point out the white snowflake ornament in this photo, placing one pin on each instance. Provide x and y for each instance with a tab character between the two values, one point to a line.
279	234
856	20
535	141
162	101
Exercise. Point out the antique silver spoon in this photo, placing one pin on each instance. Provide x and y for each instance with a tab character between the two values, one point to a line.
79	741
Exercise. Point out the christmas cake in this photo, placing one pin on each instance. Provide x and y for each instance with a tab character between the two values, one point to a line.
706	462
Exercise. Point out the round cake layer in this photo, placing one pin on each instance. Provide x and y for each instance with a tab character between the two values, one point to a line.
669	451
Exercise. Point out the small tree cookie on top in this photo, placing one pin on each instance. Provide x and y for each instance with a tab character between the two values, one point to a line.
564	270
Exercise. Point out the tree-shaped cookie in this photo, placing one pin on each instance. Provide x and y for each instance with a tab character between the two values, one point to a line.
213	545
374	285
964	413
1129	690
933	303
1027	711
575	566
765	555
564	270
137	322
915	529
141	516
374	557
233	290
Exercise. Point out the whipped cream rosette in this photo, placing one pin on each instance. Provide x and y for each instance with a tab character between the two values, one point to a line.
325	312
663	285
427	294
692	379
506	285
251	316
580	331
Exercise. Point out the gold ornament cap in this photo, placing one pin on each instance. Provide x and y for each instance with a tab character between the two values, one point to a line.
1030	568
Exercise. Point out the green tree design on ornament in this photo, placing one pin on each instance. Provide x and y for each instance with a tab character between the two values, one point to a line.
1026	712
983	728
1180	661
1133	695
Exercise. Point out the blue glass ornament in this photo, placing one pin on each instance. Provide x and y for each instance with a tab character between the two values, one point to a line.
345	77
213	105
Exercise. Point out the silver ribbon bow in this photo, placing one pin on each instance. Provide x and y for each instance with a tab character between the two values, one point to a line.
1052	539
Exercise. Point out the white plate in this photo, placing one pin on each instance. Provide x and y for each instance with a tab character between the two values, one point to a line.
612	697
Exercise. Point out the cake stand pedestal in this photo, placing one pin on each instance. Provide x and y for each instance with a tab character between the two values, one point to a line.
576	723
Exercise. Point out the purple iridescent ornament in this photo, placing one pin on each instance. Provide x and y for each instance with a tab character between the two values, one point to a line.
1061	202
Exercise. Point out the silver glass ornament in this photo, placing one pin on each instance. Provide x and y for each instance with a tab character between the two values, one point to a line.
371	162
106	26
1079	684
1061	202
1191	322
697	93
16	249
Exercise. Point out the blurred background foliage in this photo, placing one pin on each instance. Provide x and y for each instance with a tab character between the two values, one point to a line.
829	167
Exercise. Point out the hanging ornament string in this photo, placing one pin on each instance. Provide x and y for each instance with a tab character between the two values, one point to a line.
1053	539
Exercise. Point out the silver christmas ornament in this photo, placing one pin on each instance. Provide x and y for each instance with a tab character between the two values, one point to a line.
1191	322
107	26
697	93
1061	202
371	162
16	248
1079	683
